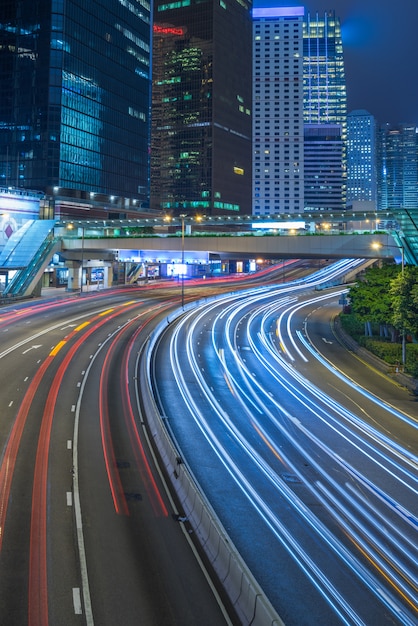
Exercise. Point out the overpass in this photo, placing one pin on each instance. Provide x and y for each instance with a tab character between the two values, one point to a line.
239	246
183	239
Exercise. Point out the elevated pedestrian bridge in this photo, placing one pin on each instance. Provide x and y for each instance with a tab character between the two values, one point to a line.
332	235
239	246
382	235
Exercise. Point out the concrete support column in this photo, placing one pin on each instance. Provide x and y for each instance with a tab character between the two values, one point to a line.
108	276
74	275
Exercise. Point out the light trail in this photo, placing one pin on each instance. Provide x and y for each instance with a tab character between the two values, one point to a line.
311	570
38	583
390	573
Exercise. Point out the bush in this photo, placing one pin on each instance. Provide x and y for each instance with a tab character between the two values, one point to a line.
384	349
352	325
389	352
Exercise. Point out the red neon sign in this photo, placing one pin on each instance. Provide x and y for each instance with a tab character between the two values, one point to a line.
168	30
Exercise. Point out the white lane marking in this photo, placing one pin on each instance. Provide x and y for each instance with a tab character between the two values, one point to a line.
69	498
77	601
35	347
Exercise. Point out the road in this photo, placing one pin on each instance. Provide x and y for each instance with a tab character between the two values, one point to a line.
88	533
88	529
321	474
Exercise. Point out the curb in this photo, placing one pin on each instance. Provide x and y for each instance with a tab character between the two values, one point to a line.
350	344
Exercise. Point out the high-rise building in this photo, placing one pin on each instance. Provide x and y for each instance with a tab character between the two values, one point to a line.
277	110
299	111
201	103
325	104
75	98
361	157
323	172
325	99
397	177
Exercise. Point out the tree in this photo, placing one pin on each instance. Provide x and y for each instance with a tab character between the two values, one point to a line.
370	297
404	295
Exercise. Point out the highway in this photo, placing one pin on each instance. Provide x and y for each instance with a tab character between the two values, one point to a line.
313	477
90	532
88	528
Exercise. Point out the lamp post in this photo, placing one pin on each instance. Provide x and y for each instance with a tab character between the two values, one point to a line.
182	217
403	329
82	259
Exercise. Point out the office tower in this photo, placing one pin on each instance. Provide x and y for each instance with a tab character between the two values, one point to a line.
361	158
397	178
75	98
299	111
324	75
277	110
201	107
325	104
323	171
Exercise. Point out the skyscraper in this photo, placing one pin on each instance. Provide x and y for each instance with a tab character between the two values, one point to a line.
325	98
398	166
325	105
299	111
75	98
201	103
361	157
323	167
277	110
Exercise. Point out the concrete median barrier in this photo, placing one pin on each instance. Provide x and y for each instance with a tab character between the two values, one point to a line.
251	604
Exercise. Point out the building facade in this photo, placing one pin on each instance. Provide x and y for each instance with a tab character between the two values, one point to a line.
278	158
325	96
75	98
397	177
323	173
201	103
299	111
325	104
361	158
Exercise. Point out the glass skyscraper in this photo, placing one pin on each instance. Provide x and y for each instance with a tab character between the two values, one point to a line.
361	157
323	167
75	98
201	107
398	167
325	97
325	113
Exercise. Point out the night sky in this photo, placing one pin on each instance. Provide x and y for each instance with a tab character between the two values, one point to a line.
380	39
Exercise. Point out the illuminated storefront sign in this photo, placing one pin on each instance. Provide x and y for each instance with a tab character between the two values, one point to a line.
168	30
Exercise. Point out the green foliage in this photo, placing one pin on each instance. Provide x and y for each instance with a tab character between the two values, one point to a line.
370	297
352	325
132	231
386	296
404	295
391	353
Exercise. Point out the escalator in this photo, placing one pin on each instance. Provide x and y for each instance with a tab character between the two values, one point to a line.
28	252
408	240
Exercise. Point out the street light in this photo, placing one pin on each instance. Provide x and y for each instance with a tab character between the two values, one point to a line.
82	259
378	246
182	217
71	227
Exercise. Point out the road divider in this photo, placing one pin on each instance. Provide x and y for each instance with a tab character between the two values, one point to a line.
250	602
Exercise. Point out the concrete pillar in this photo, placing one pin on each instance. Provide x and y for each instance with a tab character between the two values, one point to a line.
74	275
108	276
